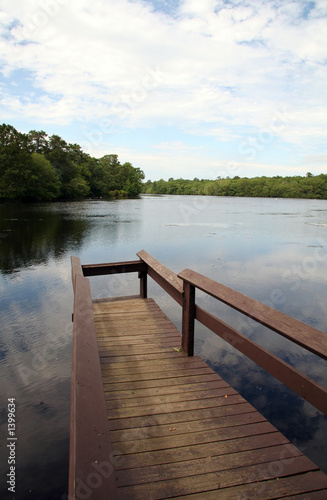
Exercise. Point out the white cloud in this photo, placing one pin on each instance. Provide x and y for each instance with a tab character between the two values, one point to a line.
175	146
214	67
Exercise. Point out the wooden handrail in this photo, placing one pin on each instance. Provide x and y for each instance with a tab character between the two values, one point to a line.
91	468
305	387
147	265
114	268
76	270
182	288
290	328
166	278
304	335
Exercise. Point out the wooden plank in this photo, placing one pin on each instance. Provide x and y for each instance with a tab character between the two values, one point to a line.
173	418
200	434
107	356
168	280
113	268
157	382
195	438
187	427
227	480
173	430
184	406
168	398
149	368
175	455
277	488
124	305
138	312
119	302
162	375
134	366
90	445
165	390
149	380
162	331
115	299
304	335
137	347
205	465
314	495
307	388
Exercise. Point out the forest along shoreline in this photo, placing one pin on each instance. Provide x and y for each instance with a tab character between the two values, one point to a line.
310	186
38	167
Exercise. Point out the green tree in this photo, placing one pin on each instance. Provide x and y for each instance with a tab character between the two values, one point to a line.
131	179
37	141
77	188
15	163
58	155
35	166
43	183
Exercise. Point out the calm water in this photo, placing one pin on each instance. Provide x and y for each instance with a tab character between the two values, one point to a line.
272	250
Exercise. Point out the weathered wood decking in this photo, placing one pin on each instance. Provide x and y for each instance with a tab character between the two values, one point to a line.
150	422
177	427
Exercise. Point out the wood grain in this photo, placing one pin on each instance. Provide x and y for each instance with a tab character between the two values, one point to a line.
176	427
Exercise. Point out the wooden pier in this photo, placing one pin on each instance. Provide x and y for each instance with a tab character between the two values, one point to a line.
151	421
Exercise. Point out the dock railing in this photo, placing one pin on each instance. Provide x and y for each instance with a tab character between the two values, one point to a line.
182	289
91	461
300	333
90	444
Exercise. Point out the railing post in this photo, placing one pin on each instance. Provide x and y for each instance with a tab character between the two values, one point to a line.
143	275
188	319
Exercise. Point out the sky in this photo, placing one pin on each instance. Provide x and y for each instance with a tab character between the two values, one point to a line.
179	88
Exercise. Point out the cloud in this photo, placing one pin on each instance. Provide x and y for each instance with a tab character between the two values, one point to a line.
175	146
317	158
211	67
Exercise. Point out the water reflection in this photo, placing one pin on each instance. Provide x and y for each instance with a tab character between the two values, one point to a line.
31	236
295	418
274	251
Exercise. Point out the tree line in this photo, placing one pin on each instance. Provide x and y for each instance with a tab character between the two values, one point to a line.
309	186
34	166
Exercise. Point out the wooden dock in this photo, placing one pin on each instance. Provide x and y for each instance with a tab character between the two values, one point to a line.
149	422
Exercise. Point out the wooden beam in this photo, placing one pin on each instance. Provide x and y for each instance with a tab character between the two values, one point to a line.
91	468
188	319
166	278
76	269
143	275
304	335
113	268
308	389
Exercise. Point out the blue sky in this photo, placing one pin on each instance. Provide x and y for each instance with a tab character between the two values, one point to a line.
180	88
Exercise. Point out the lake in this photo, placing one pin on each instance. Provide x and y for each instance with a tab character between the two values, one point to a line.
273	250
